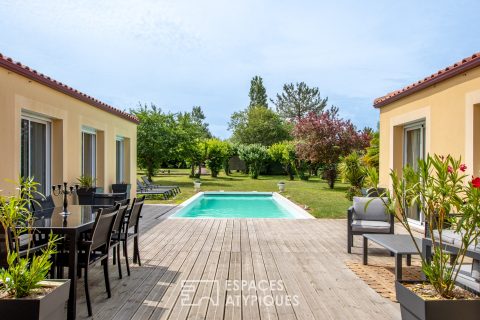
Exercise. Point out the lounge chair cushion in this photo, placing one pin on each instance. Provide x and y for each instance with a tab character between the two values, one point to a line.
476	270
375	210
453	238
371	226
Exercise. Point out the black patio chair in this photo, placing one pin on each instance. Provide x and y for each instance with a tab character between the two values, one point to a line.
105	200
97	248
118	228
131	231
42	203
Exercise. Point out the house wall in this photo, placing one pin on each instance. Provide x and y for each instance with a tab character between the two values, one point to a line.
451	111
67	115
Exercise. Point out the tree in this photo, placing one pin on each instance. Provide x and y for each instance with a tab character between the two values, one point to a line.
296	101
352	170
217	152
156	137
323	138
255	156
258	93
284	153
192	129
258	125
372	154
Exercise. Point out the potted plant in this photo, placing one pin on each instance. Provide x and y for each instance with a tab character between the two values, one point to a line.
445	195
122	187
197	183
281	186
86	189
25	292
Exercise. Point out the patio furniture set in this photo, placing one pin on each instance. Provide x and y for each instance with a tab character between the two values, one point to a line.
88	234
373	222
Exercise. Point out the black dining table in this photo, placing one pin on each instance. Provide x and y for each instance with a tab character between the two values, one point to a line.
81	218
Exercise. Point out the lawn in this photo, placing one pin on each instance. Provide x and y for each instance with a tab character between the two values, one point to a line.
321	201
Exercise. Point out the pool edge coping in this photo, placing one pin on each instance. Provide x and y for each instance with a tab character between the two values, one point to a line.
298	212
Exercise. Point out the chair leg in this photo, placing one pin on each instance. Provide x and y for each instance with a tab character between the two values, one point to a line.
87	293
125	254
117	250
114	255
137	251
349	242
107	278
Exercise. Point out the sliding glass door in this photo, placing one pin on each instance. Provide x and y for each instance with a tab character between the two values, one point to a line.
89	153
35	152
120	160
413	151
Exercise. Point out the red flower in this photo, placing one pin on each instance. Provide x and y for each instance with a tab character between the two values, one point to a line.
450	169
463	167
476	182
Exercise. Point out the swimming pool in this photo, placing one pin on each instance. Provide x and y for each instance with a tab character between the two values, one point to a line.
240	205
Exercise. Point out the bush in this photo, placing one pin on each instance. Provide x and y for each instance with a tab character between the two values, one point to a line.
255	156
217	152
352	170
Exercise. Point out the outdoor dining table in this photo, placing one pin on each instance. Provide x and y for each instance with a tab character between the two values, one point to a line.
81	218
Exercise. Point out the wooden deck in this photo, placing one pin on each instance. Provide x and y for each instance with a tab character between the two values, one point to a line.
302	261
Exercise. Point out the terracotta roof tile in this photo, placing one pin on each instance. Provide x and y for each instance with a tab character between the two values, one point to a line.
457	68
19	68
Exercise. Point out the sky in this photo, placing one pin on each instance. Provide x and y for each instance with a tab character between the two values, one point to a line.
178	54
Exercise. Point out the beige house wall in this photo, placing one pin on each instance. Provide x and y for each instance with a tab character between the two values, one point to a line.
451	111
67	115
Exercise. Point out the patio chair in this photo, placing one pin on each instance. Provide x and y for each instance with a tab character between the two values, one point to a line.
148	183
118	228
105	200
371	219
97	249
42	203
131	231
35	247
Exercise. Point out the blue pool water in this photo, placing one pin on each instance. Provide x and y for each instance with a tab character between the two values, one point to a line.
233	205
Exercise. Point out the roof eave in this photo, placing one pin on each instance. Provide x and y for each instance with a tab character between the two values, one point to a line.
430	82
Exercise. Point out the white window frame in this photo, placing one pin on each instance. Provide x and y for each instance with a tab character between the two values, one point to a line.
420	124
48	145
91	131
121	178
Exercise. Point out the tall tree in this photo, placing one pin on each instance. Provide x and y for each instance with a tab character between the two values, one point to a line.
258	125
258	93
156	137
296	101
324	138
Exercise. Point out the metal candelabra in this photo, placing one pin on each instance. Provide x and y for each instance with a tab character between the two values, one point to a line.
65	191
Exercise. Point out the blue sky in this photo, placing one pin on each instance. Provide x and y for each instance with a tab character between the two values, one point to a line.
178	53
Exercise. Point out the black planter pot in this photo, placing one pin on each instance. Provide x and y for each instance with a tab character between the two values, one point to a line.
85	196
52	306
413	306
121	188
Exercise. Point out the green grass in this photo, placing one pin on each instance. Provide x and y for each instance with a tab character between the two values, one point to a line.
322	202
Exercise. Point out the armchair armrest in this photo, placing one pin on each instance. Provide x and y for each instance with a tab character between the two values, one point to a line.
350	212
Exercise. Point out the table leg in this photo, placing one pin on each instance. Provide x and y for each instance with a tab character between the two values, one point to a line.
365	251
398	266
409	259
72	275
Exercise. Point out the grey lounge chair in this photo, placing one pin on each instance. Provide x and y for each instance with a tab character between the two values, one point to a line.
143	190
371	219
148	183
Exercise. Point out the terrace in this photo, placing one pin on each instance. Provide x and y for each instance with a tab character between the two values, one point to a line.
297	253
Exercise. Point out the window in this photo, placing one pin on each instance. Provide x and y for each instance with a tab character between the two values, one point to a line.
414	150
120	156
35	152
89	152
